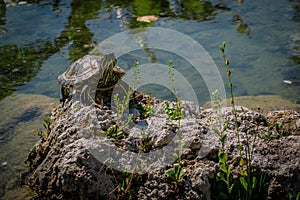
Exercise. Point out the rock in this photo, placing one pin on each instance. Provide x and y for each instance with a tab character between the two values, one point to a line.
77	160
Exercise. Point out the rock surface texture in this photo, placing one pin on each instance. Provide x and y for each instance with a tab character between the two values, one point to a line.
77	158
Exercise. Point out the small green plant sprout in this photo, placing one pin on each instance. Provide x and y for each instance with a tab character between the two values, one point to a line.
217	126
173	112
225	173
116	130
172	77
147	109
124	187
145	144
268	136
177	172
47	123
251	183
136	76
292	197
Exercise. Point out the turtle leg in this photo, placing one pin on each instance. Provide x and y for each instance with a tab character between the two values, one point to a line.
65	94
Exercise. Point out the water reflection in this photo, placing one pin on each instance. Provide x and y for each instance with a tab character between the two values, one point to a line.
20	63
296	38
241	26
296	7
188	10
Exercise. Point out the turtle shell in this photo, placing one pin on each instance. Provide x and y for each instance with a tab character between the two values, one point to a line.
86	67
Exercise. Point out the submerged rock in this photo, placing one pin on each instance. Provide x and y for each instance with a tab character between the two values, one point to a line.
80	159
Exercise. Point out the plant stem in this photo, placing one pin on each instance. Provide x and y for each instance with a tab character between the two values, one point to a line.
230	85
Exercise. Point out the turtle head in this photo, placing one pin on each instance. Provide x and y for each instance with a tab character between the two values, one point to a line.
110	72
117	70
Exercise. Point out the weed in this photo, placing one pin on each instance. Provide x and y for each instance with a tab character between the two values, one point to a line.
217	125
230	86
291	196
177	172
269	136
147	109
225	173
249	180
145	144
47	124
173	112
117	130
125	185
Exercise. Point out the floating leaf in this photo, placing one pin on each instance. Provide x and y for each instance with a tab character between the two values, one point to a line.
147	18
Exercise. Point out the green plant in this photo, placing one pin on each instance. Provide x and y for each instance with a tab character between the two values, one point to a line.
225	173
232	103
177	172
173	112
145	144
248	180
147	109
251	182
269	136
47	124
126	182
116	130
217	125
291	196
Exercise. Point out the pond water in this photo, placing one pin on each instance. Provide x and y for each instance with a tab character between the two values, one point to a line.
40	39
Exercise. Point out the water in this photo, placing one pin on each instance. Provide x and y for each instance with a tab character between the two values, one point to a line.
38	41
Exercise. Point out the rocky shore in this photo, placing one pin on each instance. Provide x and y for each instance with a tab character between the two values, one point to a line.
77	159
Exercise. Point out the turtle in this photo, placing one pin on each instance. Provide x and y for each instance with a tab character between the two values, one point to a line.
103	67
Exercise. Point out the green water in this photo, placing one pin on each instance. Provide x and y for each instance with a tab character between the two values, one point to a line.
40	39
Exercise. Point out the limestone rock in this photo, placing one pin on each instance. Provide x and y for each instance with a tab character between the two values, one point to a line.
78	160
